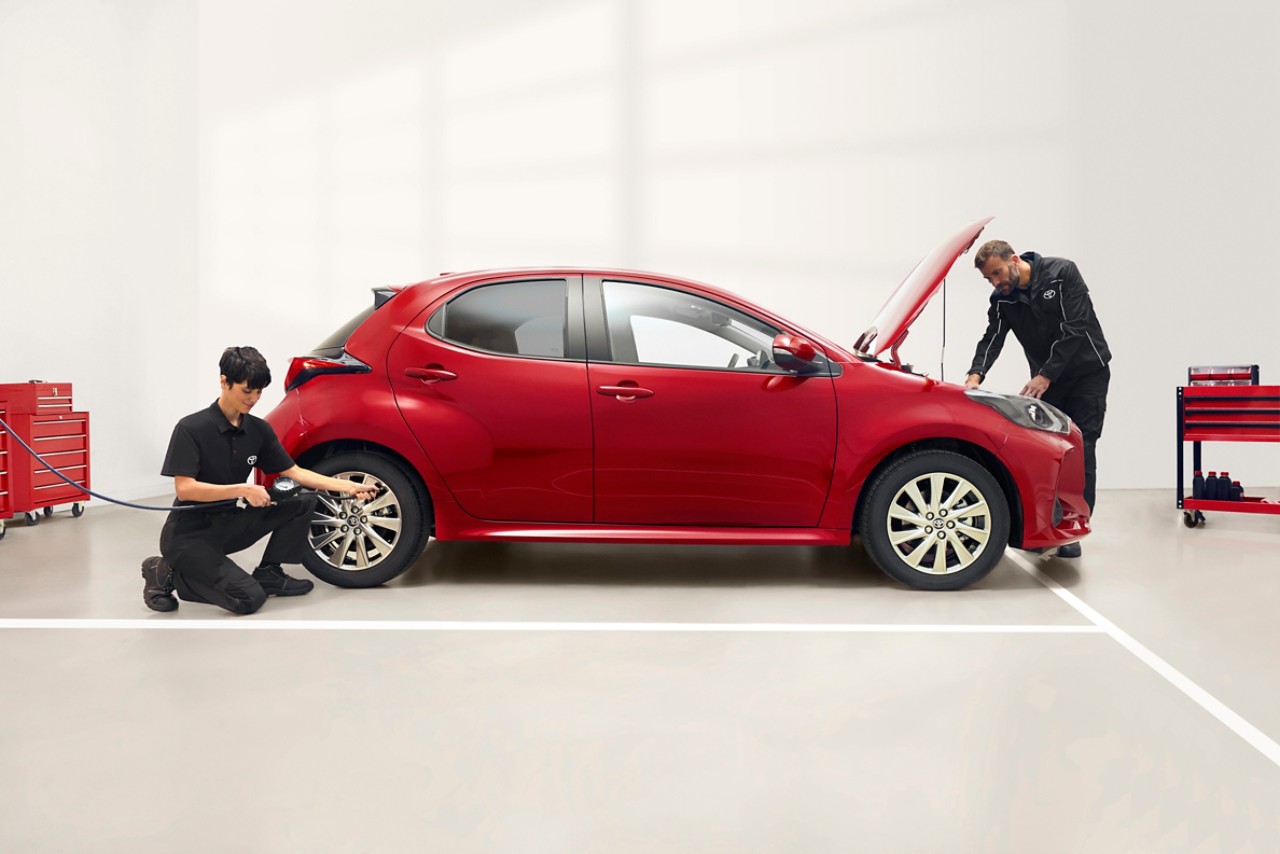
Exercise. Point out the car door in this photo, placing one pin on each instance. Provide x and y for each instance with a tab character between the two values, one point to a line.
694	424
493	384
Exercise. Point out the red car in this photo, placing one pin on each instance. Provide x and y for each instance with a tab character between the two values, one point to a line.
597	406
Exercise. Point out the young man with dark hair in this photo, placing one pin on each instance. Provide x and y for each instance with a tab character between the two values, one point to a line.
1046	303
211	454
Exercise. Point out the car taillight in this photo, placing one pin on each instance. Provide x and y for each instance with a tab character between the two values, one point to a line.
304	368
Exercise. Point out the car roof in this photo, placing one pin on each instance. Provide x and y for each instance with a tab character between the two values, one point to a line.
449	280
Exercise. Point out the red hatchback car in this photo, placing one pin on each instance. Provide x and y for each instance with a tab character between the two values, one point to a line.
597	406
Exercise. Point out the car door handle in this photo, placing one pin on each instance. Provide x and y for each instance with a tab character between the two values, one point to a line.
430	374
624	392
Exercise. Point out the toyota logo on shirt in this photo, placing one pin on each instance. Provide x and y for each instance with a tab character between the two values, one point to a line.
1050	294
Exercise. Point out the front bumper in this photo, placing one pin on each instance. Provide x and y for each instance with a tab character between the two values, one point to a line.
1050	478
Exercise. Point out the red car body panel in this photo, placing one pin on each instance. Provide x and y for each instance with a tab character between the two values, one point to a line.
712	447
884	410
518	448
462	527
357	409
510	437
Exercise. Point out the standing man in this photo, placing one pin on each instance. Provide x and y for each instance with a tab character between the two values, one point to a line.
1046	304
210	456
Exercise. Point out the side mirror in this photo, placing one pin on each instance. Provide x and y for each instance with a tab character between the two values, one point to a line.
793	353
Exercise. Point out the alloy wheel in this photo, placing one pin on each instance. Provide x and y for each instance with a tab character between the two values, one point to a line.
939	523
354	536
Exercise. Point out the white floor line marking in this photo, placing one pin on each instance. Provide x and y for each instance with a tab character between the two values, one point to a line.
535	626
1237	724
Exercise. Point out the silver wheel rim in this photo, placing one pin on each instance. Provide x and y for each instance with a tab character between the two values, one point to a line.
354	536
939	523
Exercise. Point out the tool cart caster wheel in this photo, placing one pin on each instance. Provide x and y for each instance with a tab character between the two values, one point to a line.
48	511
1	530
1192	518
77	509
33	519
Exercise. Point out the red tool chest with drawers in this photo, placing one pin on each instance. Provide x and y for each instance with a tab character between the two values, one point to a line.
35	398
5	464
42	414
1224	405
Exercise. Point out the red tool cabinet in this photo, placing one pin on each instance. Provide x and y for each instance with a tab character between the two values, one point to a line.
1224	413
43	416
35	398
5	463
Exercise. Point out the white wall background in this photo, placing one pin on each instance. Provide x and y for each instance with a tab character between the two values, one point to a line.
98	229
178	177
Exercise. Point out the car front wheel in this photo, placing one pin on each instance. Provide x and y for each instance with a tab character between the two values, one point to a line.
935	520
364	545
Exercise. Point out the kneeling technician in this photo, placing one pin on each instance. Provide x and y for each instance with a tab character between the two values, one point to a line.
211	454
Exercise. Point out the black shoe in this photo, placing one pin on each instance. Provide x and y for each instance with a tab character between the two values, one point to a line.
1069	550
157	586
275	583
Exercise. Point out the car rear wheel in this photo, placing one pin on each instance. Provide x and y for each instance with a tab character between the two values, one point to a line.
935	520
364	545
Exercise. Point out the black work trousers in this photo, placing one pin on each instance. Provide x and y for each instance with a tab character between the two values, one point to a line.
1084	399
196	545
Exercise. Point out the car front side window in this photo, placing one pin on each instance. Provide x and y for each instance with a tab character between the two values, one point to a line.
651	325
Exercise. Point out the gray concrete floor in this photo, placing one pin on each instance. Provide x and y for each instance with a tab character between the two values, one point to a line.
531	698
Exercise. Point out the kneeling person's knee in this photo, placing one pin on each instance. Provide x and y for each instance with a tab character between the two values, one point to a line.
246	596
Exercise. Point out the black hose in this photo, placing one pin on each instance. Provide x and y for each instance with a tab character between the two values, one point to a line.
207	505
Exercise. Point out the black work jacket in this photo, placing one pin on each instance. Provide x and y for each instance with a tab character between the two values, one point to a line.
1053	319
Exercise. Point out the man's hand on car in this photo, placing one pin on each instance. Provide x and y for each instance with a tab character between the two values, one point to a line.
1036	386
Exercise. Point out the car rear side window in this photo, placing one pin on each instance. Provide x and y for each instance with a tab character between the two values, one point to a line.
512	318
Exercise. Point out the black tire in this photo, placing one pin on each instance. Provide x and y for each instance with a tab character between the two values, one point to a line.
32	519
954	540
77	510
48	511
387	537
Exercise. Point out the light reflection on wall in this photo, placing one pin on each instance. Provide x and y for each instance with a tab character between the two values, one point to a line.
529	116
805	153
809	153
378	179
309	204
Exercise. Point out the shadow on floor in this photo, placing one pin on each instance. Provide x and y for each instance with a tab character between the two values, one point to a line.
674	565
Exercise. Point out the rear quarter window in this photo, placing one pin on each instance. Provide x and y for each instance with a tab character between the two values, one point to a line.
527	318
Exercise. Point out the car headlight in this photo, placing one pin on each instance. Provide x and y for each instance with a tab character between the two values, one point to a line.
1024	411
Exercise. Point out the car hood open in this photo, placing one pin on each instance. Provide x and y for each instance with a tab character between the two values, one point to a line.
891	325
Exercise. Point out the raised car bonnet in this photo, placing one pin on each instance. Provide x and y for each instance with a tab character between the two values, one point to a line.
909	299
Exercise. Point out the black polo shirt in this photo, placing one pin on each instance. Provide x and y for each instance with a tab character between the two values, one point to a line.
207	447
